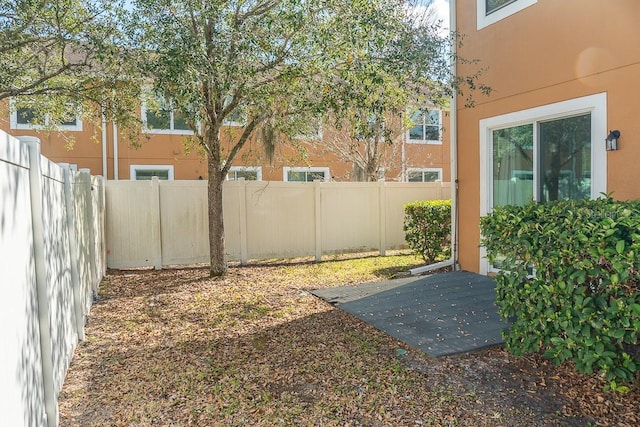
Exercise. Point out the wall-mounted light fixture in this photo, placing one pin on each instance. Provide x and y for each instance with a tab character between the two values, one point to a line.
612	140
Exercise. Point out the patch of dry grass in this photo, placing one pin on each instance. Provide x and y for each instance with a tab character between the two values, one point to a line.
176	348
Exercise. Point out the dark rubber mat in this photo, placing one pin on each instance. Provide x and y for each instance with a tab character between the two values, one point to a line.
441	314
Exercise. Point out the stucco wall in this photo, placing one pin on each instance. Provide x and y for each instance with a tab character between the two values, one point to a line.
549	52
85	149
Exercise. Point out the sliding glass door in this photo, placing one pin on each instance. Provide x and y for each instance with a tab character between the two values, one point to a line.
542	161
550	152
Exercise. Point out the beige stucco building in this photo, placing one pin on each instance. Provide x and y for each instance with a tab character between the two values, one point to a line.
166	148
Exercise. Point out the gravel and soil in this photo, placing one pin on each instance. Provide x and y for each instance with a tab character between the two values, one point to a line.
177	348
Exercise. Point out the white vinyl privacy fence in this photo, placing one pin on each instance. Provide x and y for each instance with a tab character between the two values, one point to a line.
52	258
160	223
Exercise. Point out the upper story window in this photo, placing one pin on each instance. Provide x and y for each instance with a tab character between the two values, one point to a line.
491	11
426	128
26	118
164	118
493	5
248	173
303	174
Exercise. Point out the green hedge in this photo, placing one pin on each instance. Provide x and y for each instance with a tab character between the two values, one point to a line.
427	228
582	302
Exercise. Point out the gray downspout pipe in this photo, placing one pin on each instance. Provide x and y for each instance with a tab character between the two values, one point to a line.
453	138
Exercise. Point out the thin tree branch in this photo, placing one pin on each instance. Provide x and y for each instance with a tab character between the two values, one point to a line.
246	133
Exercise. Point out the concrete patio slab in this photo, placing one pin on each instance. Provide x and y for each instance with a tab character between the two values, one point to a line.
441	314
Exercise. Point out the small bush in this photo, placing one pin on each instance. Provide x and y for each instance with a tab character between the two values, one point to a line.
582	302
427	228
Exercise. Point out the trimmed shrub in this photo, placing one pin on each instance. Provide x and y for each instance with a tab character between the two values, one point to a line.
427	228
570	282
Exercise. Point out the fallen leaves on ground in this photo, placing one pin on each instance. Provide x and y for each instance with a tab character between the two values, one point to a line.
177	348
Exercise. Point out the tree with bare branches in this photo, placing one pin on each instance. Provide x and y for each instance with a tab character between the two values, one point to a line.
382	89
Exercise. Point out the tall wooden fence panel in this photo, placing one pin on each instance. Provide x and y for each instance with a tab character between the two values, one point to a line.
46	216
160	223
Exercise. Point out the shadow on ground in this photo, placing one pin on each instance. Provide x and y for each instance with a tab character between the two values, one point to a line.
327	368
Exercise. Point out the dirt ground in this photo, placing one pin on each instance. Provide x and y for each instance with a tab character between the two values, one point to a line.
176	348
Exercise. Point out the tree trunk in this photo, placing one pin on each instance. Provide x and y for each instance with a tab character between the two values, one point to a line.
217	256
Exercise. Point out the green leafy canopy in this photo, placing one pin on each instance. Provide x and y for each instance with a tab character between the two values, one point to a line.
61	58
274	63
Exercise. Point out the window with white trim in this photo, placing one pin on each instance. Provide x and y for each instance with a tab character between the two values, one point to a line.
427	126
249	173
552	152
304	174
492	6
26	118
163	119
492	11
147	172
424	174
